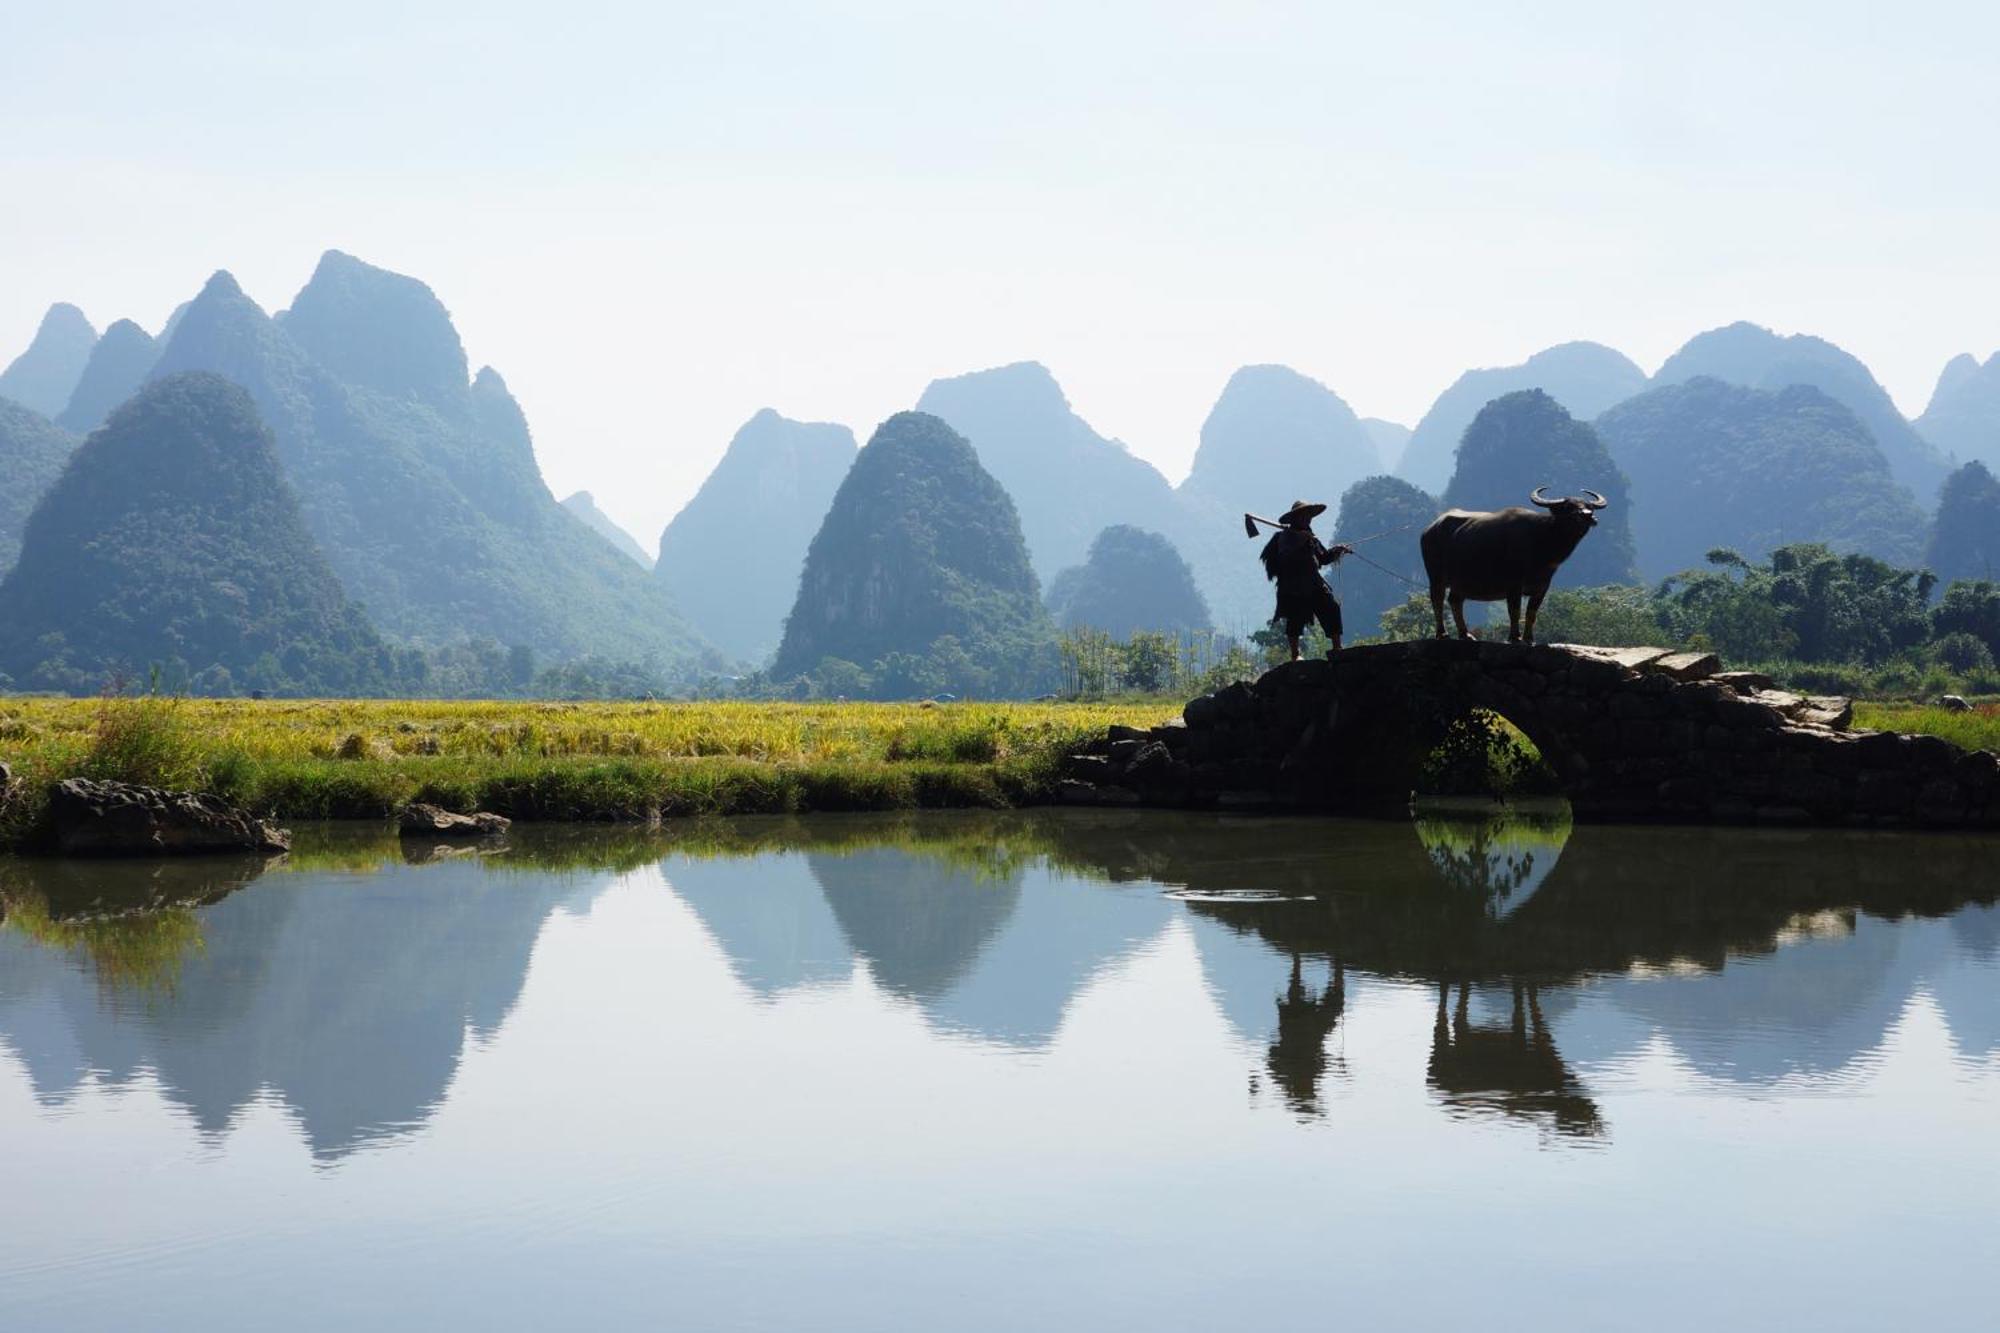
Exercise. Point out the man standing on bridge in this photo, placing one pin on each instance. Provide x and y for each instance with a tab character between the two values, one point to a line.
1292	560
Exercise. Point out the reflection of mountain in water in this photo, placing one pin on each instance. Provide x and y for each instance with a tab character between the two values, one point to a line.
347	998
996	949
769	917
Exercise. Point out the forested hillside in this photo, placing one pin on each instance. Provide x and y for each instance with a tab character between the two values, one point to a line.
1965	540
1134	581
1387	516
1754	357
118	365
919	574
422	489
1067	481
1717	465
32	453
173	539
1584	377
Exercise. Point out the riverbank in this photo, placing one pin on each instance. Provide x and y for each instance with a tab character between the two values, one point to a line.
346	759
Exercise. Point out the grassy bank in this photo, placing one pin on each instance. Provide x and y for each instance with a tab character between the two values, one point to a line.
357	759
1978	729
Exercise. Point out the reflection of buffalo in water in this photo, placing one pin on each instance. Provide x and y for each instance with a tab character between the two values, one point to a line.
1515	1070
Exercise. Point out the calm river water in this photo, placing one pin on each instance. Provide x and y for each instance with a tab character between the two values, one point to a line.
1030	1071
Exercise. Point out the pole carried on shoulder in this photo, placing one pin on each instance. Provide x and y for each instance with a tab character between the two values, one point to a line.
1250	522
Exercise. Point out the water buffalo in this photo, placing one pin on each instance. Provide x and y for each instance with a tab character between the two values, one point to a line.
1512	553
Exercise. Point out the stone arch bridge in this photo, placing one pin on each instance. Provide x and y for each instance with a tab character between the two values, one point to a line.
1631	733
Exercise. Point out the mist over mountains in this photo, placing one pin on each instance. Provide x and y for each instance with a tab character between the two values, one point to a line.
584	505
42	378
1756	358
1963	418
1067	480
422	488
1720	465
172	538
731	557
1584	377
417	482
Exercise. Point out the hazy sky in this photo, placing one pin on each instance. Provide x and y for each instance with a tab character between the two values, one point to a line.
654	219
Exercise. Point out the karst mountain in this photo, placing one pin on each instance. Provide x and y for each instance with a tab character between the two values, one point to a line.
1963	418
42	378
921	544
118	365
1714	464
1067	481
731	557
33	450
584	505
1754	357
1584	377
172	540
1134	580
419	483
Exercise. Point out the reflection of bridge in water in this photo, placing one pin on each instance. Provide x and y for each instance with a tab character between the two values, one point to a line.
351	998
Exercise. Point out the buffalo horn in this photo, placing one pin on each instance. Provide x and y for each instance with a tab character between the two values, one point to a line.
1543	501
1596	501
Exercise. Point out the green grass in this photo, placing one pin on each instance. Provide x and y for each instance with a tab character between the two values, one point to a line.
1976	730
553	761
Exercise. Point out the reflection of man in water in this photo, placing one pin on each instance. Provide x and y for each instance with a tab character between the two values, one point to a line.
1297	1058
1515	1070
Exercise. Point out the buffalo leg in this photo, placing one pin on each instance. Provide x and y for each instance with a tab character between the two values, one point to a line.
1437	606
1458	613
1513	617
1534	607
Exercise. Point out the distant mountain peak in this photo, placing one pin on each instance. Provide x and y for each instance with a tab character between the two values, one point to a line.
1963	417
1584	377
118	365
221	283
1755	357
1066	479
43	377
382	330
584	506
785	472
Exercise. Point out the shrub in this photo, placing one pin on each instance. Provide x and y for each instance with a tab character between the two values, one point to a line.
144	739
1962	652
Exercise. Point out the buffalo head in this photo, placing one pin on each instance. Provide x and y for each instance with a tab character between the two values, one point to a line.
1571	509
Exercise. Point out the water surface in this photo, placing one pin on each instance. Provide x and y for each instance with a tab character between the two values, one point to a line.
1003	1071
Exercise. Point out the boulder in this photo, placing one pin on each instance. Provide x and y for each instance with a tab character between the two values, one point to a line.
88	818
1687	666
421	820
1951	703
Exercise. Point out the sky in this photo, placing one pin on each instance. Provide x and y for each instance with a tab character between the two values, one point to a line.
655	219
